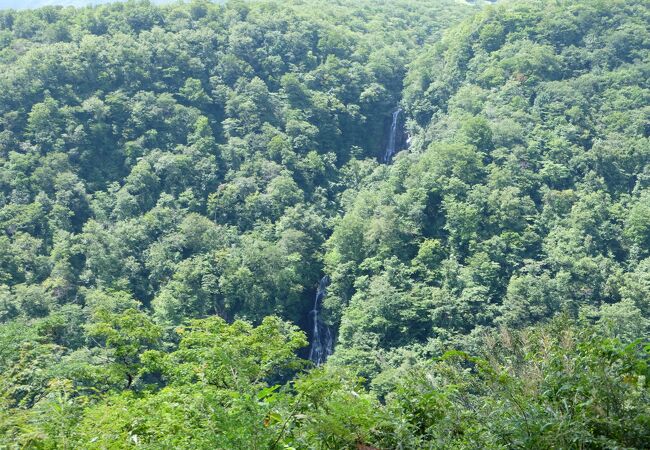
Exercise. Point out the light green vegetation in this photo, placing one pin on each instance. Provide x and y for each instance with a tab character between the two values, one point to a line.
174	181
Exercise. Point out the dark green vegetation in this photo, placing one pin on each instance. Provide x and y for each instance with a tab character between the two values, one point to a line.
175	180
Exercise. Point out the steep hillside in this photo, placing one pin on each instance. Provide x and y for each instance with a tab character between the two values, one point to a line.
325	225
525	192
189	156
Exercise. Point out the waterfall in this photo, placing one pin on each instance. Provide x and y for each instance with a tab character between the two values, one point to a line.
321	338
391	146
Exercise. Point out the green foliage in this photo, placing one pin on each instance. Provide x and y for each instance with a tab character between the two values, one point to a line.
523	194
216	396
175	179
554	386
215	353
125	336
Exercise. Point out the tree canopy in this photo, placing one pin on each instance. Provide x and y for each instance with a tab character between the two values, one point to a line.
175	180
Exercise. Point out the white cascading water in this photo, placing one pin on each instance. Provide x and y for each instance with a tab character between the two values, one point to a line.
322	343
391	146
321	338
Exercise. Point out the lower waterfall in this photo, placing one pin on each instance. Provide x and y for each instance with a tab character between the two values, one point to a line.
322	342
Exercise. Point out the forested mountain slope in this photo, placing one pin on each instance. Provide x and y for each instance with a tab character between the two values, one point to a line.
526	191
190	155
175	181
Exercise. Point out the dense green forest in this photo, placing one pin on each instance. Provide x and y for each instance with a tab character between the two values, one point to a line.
303	224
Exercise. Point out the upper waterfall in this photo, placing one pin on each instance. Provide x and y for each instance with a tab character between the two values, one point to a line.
391	146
